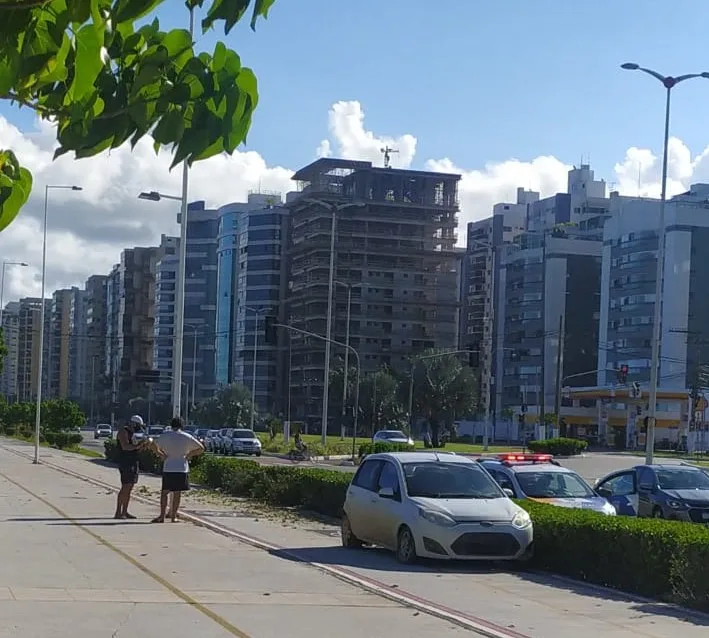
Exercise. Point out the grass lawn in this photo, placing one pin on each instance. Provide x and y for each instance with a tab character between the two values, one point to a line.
336	446
75	449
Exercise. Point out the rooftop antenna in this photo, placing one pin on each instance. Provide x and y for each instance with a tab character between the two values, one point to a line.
387	155
640	170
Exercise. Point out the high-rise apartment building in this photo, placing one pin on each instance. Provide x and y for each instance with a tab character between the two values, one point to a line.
395	236
628	291
10	330
79	374
200	309
59	337
549	295
28	347
484	241
130	318
95	344
252	281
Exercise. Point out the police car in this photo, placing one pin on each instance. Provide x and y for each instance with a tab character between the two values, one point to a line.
539	477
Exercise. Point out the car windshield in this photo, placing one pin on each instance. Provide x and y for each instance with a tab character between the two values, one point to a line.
155	430
391	434
553	485
200	432
449	480
243	434
684	479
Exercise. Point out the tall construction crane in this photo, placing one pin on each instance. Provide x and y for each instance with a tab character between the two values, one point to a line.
387	156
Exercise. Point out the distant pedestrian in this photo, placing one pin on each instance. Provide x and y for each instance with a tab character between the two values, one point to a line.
176	447
128	465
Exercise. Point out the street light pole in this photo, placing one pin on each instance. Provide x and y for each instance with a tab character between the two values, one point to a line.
334	209
347	355
258	312
669	83
195	328
2	283
40	363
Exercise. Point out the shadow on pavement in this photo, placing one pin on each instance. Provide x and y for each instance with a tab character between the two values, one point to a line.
648	607
86	521
380	560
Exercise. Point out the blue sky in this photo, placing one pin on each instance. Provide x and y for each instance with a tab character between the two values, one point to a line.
473	80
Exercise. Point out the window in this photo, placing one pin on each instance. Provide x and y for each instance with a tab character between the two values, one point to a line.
646	478
366	476
553	485
389	477
449	480
502	479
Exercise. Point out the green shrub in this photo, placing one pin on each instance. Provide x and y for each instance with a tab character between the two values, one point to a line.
63	440
655	558
558	447
380	446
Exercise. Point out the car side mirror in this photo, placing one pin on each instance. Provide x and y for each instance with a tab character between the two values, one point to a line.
386	492
508	492
604	492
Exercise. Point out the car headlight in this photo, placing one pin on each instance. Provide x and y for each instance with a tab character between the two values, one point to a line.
609	510
437	518
521	520
677	505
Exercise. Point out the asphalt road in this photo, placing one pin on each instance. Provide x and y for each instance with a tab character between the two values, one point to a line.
592	466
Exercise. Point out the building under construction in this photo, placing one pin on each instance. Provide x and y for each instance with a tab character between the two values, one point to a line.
394	250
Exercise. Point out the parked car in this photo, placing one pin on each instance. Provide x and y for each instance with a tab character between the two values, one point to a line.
539	477
211	440
201	435
221	441
242	441
392	436
433	505
155	431
678	492
103	431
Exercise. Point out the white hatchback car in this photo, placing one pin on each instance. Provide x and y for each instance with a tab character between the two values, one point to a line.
433	505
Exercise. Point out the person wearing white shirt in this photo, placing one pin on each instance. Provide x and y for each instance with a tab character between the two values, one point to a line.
176	447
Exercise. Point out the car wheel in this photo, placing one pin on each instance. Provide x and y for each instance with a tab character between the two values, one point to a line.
657	513
258	453
406	547
349	540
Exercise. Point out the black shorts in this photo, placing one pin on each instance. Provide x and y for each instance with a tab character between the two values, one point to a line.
175	482
129	474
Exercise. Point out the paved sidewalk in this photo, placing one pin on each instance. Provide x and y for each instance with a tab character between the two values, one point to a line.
92	577
532	606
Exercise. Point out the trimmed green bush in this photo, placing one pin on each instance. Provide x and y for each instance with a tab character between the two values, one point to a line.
558	447
381	446
655	558
63	440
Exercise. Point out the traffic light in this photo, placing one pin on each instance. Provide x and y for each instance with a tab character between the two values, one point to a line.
623	373
270	332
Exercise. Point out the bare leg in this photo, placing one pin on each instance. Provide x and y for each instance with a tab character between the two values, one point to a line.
129	490
163	507
120	502
176	498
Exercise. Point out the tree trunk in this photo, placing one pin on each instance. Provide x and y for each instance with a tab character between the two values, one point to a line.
435	432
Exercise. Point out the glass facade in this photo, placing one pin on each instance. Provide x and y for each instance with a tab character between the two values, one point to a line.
251	283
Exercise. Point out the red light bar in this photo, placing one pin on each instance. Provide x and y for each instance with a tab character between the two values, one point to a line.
539	458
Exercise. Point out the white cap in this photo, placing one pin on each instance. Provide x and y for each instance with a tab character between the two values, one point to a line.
137	419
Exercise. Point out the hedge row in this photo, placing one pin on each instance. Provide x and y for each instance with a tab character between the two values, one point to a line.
659	559
149	460
380	447
558	447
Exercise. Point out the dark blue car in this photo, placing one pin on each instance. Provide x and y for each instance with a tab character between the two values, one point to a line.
676	492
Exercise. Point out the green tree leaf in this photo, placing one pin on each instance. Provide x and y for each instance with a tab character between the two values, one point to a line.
105	75
88	63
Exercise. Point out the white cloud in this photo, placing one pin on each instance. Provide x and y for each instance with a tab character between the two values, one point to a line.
88	230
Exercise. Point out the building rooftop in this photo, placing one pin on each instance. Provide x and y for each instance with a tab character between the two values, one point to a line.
325	164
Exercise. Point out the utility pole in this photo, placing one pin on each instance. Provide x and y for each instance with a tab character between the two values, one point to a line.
559	372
